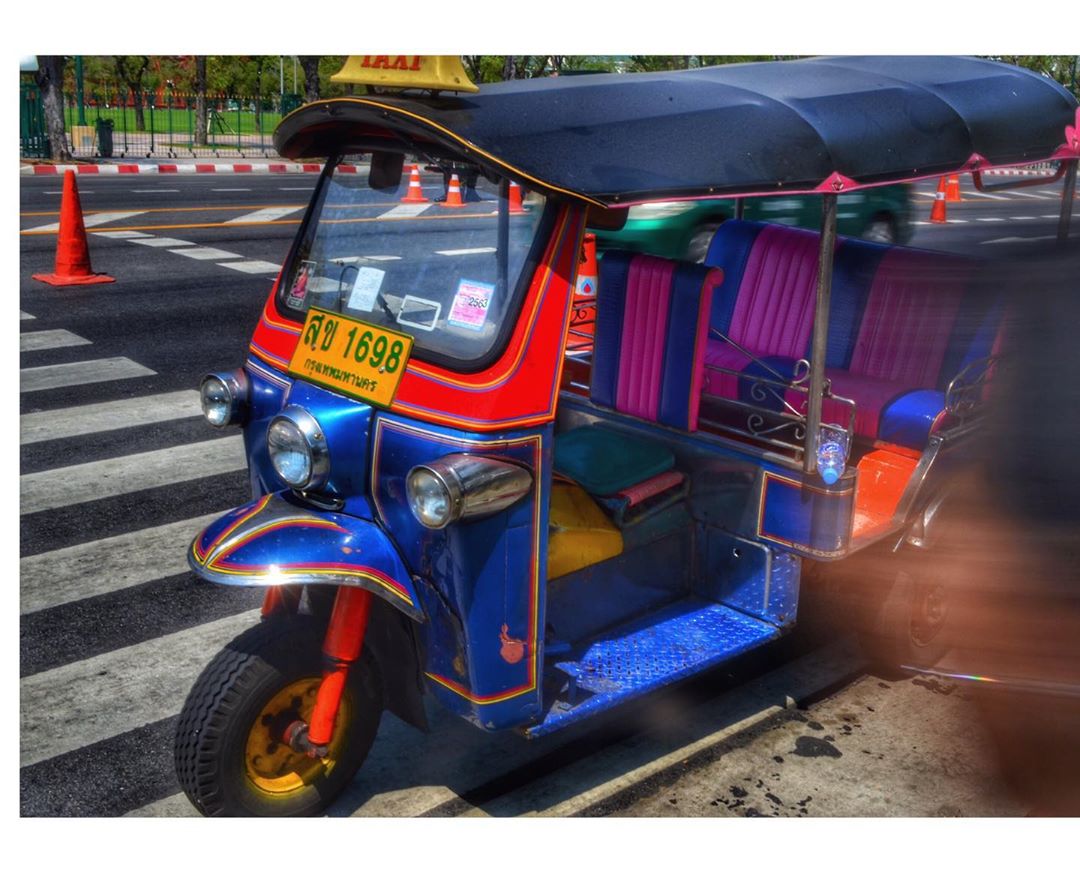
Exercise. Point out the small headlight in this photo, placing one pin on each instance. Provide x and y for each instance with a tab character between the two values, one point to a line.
297	449
429	498
224	397
464	486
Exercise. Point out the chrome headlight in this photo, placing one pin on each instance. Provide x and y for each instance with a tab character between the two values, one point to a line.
298	449
461	486
225	397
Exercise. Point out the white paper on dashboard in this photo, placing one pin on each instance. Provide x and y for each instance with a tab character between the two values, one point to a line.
366	288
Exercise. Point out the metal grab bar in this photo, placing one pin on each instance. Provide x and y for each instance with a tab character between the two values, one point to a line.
963	394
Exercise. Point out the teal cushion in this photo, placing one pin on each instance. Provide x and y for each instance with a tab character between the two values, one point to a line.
605	461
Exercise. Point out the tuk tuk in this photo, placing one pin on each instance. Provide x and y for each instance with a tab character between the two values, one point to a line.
445	504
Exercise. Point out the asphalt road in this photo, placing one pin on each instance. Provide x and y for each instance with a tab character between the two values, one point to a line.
118	471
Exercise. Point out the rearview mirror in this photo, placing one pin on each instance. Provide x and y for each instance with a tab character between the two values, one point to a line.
386	169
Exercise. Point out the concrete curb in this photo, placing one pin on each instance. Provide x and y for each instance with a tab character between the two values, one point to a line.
176	168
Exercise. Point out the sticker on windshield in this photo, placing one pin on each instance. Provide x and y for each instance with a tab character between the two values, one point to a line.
298	292
471	303
418	312
365	289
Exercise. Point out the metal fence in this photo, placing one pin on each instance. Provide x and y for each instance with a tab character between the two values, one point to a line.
165	124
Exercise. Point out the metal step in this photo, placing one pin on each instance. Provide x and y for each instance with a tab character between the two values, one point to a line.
671	644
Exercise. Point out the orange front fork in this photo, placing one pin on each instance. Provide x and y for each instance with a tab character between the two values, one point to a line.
341	648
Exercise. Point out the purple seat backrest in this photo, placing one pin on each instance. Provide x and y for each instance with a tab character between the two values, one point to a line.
652	324
645	324
774	310
909	316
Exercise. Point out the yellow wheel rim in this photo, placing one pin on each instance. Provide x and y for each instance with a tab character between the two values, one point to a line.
274	767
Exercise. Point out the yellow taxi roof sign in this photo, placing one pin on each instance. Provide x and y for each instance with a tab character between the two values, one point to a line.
428	72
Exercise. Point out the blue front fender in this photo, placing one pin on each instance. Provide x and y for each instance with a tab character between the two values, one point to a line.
274	541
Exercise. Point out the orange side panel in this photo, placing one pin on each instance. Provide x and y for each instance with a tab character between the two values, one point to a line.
883	476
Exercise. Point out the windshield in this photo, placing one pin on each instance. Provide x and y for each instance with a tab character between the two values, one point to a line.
450	276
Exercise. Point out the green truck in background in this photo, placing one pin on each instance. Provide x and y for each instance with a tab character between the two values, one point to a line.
683	229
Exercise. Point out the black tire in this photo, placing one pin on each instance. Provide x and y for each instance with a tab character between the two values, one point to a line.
699	242
218	723
906	622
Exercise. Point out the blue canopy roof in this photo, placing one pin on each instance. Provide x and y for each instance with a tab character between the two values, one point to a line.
813	124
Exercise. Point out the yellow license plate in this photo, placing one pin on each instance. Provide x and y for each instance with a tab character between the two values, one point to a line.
351	357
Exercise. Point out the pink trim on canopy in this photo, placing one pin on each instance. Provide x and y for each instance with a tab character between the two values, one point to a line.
836	183
976	161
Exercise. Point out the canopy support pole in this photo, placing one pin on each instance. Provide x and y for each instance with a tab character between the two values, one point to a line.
740	208
821	332
1067	194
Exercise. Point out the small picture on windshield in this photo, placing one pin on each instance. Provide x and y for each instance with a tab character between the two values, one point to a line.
471	303
298	292
418	312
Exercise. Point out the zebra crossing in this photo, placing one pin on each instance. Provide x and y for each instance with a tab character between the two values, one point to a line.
114	629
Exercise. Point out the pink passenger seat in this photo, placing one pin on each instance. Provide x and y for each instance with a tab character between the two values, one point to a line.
902	322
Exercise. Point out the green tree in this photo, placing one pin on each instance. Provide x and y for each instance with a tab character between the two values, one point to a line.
131	71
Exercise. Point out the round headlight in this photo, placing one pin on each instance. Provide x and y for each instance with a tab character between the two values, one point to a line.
224	397
463	487
298	449
429	498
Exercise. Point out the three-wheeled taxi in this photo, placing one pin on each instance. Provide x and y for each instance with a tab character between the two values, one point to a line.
444	504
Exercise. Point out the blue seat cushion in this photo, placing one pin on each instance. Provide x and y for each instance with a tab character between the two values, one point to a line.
606	461
909	419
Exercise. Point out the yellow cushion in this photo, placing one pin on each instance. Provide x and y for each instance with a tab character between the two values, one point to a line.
580	533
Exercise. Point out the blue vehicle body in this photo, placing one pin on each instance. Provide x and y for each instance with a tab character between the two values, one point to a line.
668	466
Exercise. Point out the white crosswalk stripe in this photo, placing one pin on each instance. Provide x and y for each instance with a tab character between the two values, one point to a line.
254	267
72	706
101	417
71	485
63	375
405	210
25	316
94	219
105	565
162	242
205	253
44	340
271	213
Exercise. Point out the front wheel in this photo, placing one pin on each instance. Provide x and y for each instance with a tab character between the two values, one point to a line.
230	752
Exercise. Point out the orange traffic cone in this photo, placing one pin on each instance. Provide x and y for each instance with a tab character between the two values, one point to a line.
415	194
952	190
515	199
937	214
72	251
453	193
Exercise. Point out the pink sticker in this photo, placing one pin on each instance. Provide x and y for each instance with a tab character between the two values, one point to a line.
471	304
298	292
